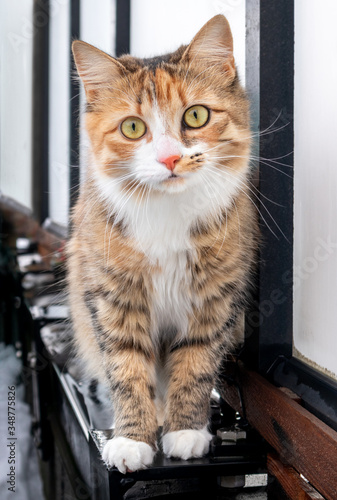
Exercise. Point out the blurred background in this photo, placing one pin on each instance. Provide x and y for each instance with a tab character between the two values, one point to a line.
145	28
43	142
285	54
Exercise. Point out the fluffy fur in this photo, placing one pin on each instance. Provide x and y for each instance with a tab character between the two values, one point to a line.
160	264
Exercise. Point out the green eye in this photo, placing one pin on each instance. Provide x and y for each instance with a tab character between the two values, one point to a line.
196	116
133	128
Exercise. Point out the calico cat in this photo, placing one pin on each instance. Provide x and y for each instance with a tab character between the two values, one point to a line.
164	238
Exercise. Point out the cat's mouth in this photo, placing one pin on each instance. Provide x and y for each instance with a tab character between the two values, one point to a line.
173	183
174	179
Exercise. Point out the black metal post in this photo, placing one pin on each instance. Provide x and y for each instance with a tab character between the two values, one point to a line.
74	139
40	106
122	27
269	325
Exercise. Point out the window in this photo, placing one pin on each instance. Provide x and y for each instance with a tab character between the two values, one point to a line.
290	331
16	36
315	185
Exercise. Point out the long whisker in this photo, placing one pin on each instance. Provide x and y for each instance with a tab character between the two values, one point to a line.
216	211
252	201
147	206
224	238
228	157
216	170
115	183
124	200
142	192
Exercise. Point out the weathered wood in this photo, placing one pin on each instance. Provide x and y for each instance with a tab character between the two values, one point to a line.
291	394
22	223
291	481
301	439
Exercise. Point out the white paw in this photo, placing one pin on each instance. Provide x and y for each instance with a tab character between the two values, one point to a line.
127	455
187	443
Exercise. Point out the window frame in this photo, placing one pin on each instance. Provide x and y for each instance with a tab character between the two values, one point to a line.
40	98
74	103
269	324
270	86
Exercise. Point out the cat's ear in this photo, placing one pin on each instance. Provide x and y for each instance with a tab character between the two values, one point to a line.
213	44
96	69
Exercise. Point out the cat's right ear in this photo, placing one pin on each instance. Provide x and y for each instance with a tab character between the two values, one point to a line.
213	46
96	69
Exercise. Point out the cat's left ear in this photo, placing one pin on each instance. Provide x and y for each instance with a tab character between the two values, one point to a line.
213	44
96	69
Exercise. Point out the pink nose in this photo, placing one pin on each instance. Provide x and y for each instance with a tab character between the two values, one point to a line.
170	161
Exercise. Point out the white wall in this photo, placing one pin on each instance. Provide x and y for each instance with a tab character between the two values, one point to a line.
59	91
98	23
161	26
98	27
315	252
16	46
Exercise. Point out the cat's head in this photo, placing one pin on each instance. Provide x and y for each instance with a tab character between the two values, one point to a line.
168	122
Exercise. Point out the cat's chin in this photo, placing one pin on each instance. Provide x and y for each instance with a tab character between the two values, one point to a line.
172	185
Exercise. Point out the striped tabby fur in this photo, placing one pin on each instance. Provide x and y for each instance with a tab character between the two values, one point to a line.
159	268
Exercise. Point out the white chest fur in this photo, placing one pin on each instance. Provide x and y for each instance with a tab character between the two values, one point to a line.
159	225
162	232
171	302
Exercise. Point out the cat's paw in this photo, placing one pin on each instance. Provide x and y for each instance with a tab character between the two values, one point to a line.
187	443
127	455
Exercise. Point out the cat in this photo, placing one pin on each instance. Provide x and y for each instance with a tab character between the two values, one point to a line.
164	238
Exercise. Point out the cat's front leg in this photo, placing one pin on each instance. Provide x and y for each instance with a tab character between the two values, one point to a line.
193	366
127	358
131	382
127	454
